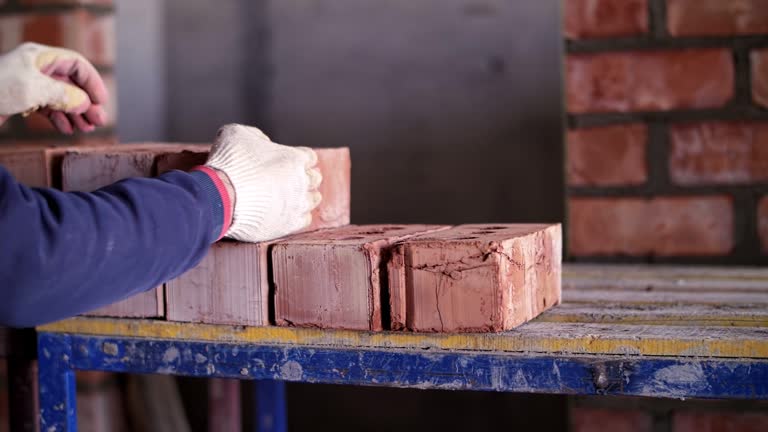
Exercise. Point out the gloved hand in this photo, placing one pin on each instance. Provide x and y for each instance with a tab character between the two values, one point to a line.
275	186
60	83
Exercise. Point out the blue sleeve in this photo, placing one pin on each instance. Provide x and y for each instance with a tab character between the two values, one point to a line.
64	254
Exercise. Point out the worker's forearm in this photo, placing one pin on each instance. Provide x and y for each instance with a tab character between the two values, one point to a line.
67	253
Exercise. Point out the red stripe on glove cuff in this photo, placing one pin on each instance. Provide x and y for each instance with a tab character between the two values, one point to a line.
226	200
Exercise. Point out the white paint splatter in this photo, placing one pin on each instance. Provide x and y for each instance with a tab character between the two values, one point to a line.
556	372
497	377
677	380
109	348
170	355
291	371
520	382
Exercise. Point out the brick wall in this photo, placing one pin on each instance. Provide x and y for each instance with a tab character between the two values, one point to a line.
667	146
631	414
87	26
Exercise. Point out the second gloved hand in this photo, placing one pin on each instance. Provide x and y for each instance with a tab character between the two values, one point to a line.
275	186
60	83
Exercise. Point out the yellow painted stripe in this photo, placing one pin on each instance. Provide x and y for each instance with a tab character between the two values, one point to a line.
551	339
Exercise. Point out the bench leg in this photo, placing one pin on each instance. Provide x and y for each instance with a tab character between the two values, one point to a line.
271	415
56	383
22	380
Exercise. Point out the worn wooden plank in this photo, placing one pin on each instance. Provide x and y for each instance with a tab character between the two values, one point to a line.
660	314
665	278
608	296
532	337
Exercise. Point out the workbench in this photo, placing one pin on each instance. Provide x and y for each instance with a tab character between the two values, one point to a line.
673	332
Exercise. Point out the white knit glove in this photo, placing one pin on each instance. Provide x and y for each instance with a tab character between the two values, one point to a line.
275	185
61	82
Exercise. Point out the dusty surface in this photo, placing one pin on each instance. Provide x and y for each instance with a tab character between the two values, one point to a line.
229	286
332	278
475	278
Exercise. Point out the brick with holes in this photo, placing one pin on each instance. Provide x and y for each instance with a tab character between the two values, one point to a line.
475	278
335	278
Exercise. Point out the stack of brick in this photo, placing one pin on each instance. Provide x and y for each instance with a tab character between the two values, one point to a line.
87	26
428	278
667	145
231	284
334	275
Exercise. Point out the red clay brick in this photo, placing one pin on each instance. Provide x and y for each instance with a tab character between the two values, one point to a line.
335	166
231	285
91	35
587	419
664	226
38	123
649	80
716	17
91	168
718	153
475	278
26	165
88	172
37	163
607	156
111	106
762	222
701	421
760	76
605	18
331	278
183	161
97	140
